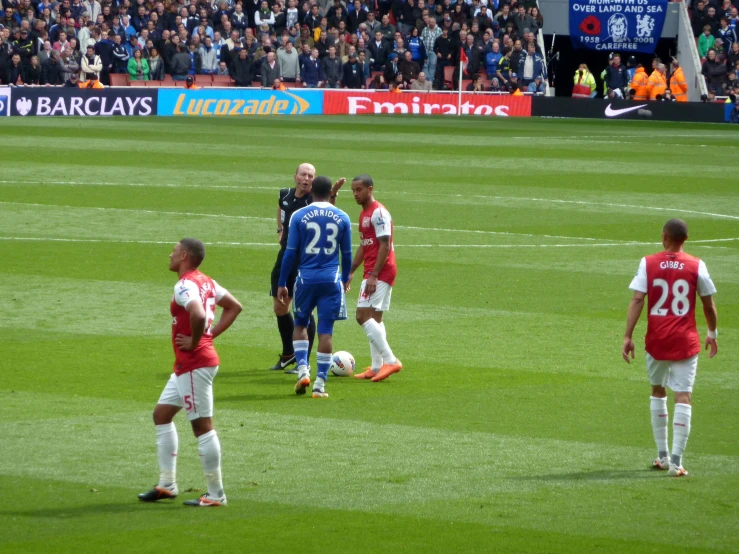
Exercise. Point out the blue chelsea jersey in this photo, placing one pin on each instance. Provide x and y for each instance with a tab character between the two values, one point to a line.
319	233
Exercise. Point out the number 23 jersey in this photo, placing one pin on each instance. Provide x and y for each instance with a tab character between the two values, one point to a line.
671	280
194	286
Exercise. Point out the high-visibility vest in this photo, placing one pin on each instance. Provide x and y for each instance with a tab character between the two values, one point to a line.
678	86
657	84
639	84
585	86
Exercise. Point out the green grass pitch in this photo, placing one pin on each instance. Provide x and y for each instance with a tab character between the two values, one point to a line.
515	425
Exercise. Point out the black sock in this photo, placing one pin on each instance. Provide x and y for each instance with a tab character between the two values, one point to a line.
286	326
311	334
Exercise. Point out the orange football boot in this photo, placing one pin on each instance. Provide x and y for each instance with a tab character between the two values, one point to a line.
366	374
387	370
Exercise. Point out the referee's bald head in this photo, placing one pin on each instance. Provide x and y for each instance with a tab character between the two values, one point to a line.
305	167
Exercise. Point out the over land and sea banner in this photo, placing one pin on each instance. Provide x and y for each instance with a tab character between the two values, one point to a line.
617	25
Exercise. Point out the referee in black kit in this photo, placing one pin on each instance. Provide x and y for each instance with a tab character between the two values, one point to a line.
291	200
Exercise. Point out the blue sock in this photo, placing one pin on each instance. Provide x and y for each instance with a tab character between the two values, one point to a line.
301	352
324	362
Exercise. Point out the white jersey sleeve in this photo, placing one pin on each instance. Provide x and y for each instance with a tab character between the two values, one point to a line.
639	282
382	222
185	292
220	291
705	284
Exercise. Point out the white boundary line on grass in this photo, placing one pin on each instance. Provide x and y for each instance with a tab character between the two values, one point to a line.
255	218
273	244
392	193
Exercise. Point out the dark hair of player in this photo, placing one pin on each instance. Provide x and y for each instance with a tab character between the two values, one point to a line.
195	250
365	179
321	187
676	230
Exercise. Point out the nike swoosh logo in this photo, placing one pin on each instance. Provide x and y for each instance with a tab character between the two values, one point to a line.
615	113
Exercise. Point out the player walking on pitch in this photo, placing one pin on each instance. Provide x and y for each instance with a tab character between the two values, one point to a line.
377	253
196	365
318	233
670	281
290	200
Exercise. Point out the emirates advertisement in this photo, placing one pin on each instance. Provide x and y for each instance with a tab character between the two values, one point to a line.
358	102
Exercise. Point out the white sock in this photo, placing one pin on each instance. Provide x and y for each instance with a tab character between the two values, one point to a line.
167	444
680	432
376	358
660	421
376	335
209	448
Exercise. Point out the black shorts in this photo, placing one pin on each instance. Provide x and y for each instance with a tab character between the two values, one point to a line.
276	275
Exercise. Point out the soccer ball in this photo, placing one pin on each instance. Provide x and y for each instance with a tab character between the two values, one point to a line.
342	364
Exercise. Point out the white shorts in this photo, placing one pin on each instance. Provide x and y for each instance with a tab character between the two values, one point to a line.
192	391
380	299
678	375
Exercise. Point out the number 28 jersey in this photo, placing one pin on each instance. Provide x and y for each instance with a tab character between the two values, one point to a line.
194	286
671	280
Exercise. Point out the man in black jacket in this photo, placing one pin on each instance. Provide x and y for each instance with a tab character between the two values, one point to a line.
180	64
353	73
378	50
51	71
616	77
241	69
444	51
332	69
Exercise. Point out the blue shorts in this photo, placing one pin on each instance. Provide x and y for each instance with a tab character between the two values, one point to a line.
328	298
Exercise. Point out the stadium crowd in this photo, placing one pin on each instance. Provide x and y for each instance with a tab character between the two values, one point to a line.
380	44
715	29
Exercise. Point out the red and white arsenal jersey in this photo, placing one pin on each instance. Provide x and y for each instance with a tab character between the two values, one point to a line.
671	281
194	286
376	222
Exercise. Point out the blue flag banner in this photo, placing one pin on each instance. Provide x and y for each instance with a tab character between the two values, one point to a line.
617	25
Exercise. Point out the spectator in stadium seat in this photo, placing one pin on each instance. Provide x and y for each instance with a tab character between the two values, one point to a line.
531	66
332	69
156	65
657	83
696	18
387	29
222	69
208	57
32	72
72	82
492	59
421	84
14	71
379	51
516	54
312	71
138	67
121	56
353	73
241	69
495	85
391	69
44	53
180	64
289	62
444	50
715	72
538	86
705	42
270	70
91	65
524	21
70	65
378	83
476	84
409	69
196	62
52	72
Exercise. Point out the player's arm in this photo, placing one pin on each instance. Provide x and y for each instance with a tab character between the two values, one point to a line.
639	286
382	254
231	310
709	310
288	260
197	327
335	190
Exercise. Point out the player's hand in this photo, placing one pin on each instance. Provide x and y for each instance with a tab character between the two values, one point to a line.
184	343
282	295
347	286
370	286
628	349
713	345
337	185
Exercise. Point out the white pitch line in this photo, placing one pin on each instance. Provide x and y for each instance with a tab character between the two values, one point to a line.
248	217
273	244
391	193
